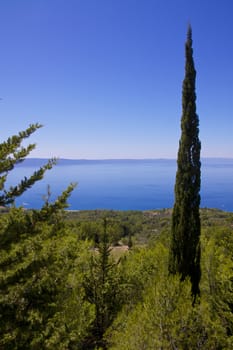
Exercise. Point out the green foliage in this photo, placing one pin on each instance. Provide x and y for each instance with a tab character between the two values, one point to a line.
58	293
162	317
185	244
130	241
12	153
137	269
165	321
142	226
89	230
37	292
102	289
42	265
157	310
217	286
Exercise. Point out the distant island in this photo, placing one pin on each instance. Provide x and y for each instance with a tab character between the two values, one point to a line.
66	161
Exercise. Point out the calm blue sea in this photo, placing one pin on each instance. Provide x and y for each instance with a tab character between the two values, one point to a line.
125	184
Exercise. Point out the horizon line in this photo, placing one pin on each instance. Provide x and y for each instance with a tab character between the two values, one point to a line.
117	159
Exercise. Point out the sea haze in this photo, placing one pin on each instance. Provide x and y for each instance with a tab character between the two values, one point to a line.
124	184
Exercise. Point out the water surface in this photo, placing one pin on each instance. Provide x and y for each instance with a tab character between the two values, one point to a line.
125	184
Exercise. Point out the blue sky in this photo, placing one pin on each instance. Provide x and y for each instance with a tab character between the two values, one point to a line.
104	77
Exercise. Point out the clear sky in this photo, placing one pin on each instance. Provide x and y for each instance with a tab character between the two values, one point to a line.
104	77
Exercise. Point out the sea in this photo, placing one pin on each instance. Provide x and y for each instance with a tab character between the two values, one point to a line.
144	184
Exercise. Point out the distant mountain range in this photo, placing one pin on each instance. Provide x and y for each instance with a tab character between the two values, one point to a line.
37	162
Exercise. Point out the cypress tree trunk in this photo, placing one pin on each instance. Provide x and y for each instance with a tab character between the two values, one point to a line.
185	243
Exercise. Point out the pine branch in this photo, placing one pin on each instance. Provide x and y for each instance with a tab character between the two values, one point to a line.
11	153
13	143
49	209
9	196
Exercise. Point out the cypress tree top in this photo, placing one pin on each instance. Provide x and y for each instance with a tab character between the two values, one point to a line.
189	148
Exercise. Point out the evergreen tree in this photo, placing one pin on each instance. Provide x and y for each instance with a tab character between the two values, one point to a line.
102	289
39	257
185	243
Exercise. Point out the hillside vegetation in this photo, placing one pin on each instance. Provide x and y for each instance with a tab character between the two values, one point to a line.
59	293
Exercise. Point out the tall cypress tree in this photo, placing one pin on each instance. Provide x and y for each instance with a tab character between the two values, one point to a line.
185	243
